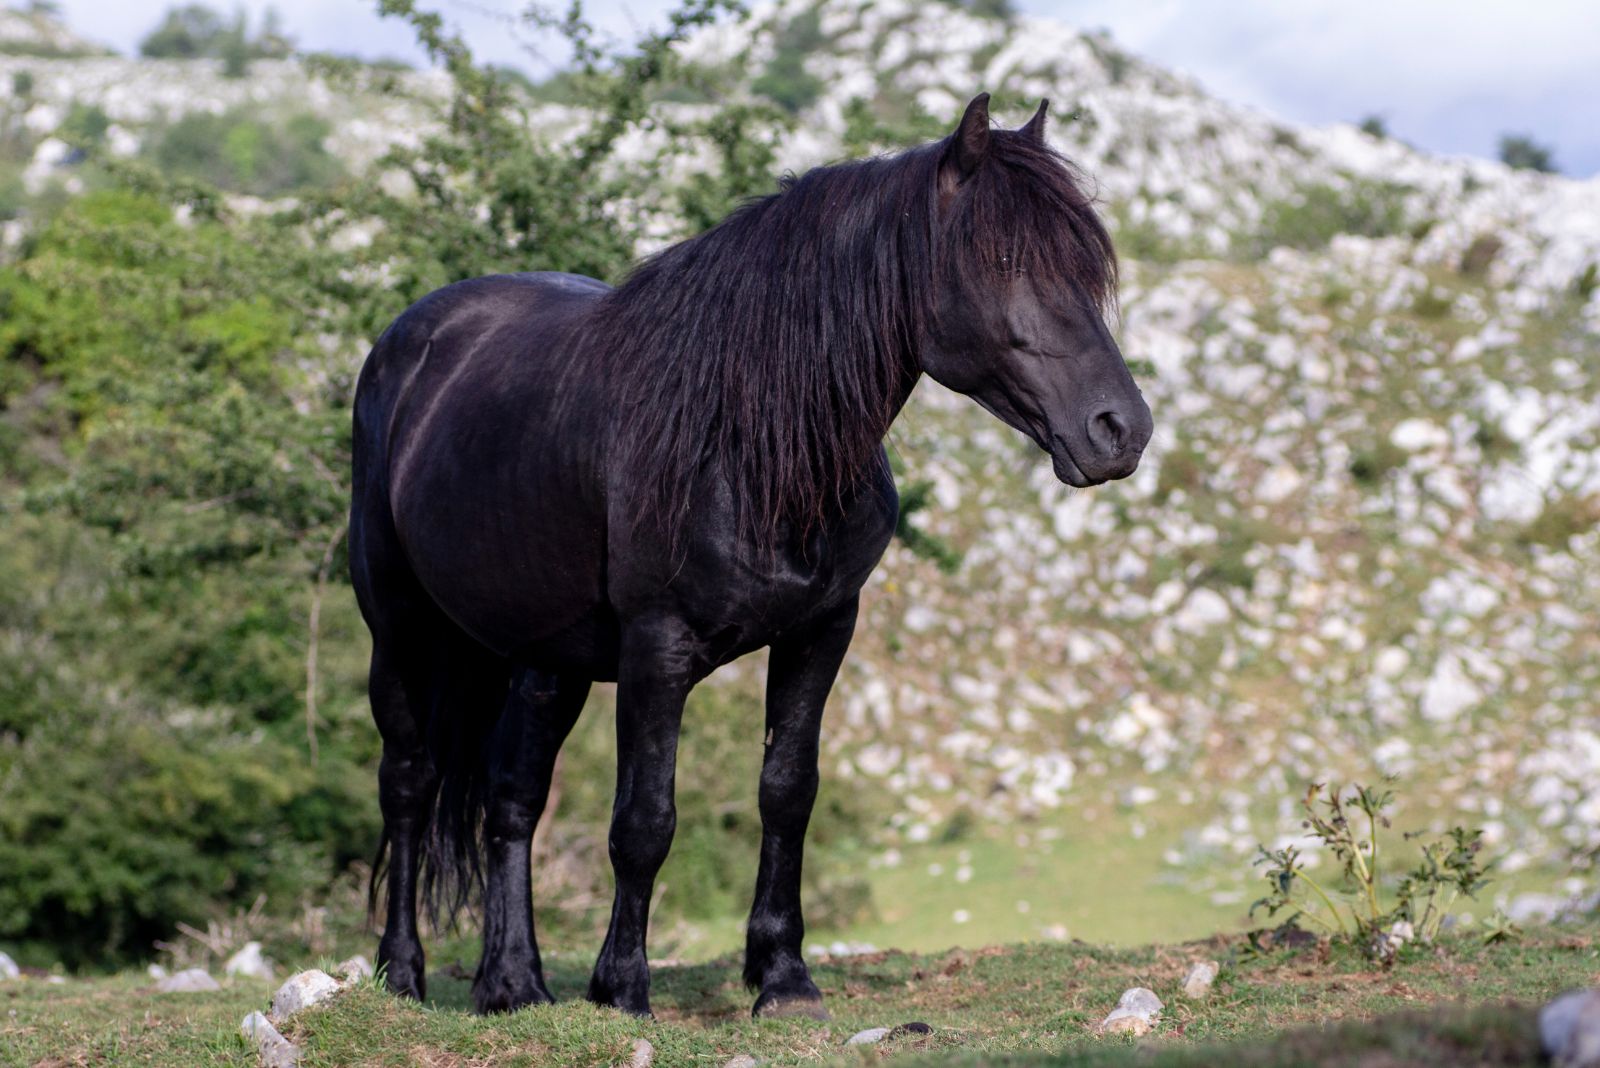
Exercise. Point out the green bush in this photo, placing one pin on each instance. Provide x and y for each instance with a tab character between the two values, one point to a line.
1318	213
153	737
1525	154
242	152
198	31
785	81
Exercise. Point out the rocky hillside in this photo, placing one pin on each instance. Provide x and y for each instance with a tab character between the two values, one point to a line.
1364	541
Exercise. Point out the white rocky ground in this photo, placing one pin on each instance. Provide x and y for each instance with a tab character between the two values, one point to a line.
1246	613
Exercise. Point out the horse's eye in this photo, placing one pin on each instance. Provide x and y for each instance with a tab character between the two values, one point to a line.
1008	265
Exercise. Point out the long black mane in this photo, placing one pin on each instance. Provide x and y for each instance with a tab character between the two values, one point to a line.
777	346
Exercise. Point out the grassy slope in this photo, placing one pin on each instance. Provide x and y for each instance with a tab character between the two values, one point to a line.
1034	1003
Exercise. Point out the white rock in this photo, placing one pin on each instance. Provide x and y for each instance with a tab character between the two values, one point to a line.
8	968
643	1054
868	1037
1569	1029
188	981
354	969
275	1050
742	1060
1136	1013
156	971
301	992
1201	975
249	962
1414	435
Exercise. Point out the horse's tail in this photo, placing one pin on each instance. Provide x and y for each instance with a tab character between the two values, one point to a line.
459	729
448	690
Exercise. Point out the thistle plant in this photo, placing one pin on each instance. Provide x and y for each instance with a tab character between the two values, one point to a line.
1352	905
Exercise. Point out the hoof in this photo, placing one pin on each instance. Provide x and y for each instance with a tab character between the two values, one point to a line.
403	973
412	988
634	1003
504	996
776	1008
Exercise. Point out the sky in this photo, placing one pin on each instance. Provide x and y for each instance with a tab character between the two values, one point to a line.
1450	76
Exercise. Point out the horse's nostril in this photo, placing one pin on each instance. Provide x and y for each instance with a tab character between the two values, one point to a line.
1108	431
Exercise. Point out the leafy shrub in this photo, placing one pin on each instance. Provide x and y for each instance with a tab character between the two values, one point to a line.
152	735
1525	154
1348	825
1320	212
198	31
240	152
785	81
1375	126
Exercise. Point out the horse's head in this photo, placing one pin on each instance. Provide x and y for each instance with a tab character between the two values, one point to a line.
1024	275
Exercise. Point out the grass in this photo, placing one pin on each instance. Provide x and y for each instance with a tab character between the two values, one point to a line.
1026	1004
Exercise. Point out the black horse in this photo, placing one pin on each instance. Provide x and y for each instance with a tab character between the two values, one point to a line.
558	482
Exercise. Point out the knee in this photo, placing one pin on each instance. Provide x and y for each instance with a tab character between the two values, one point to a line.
511	818
405	782
641	832
788	792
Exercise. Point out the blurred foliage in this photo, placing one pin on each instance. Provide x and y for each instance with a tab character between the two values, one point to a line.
240	151
785	81
1526	154
198	31
175	379
1319	212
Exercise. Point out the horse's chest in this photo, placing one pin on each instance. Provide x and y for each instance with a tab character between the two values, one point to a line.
739	598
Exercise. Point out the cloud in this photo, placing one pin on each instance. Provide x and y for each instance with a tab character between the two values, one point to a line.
1450	76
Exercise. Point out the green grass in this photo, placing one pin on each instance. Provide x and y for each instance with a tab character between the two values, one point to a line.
1033	1004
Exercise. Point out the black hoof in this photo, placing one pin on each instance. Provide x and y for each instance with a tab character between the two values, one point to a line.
404	974
634	1002
775	1008
792	995
507	994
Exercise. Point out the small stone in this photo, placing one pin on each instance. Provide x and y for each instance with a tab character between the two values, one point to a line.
1136	1013
354	970
188	981
301	992
156	971
1569	1029
742	1060
1122	1022
8	968
868	1037
643	1054
249	962
1197	984
275	1050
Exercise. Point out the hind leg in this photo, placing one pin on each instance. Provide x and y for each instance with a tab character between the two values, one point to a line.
538	715
406	787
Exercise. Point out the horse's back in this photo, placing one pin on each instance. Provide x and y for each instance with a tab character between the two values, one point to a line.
469	478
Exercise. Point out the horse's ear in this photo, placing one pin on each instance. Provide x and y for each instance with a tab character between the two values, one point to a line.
969	145
1033	129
